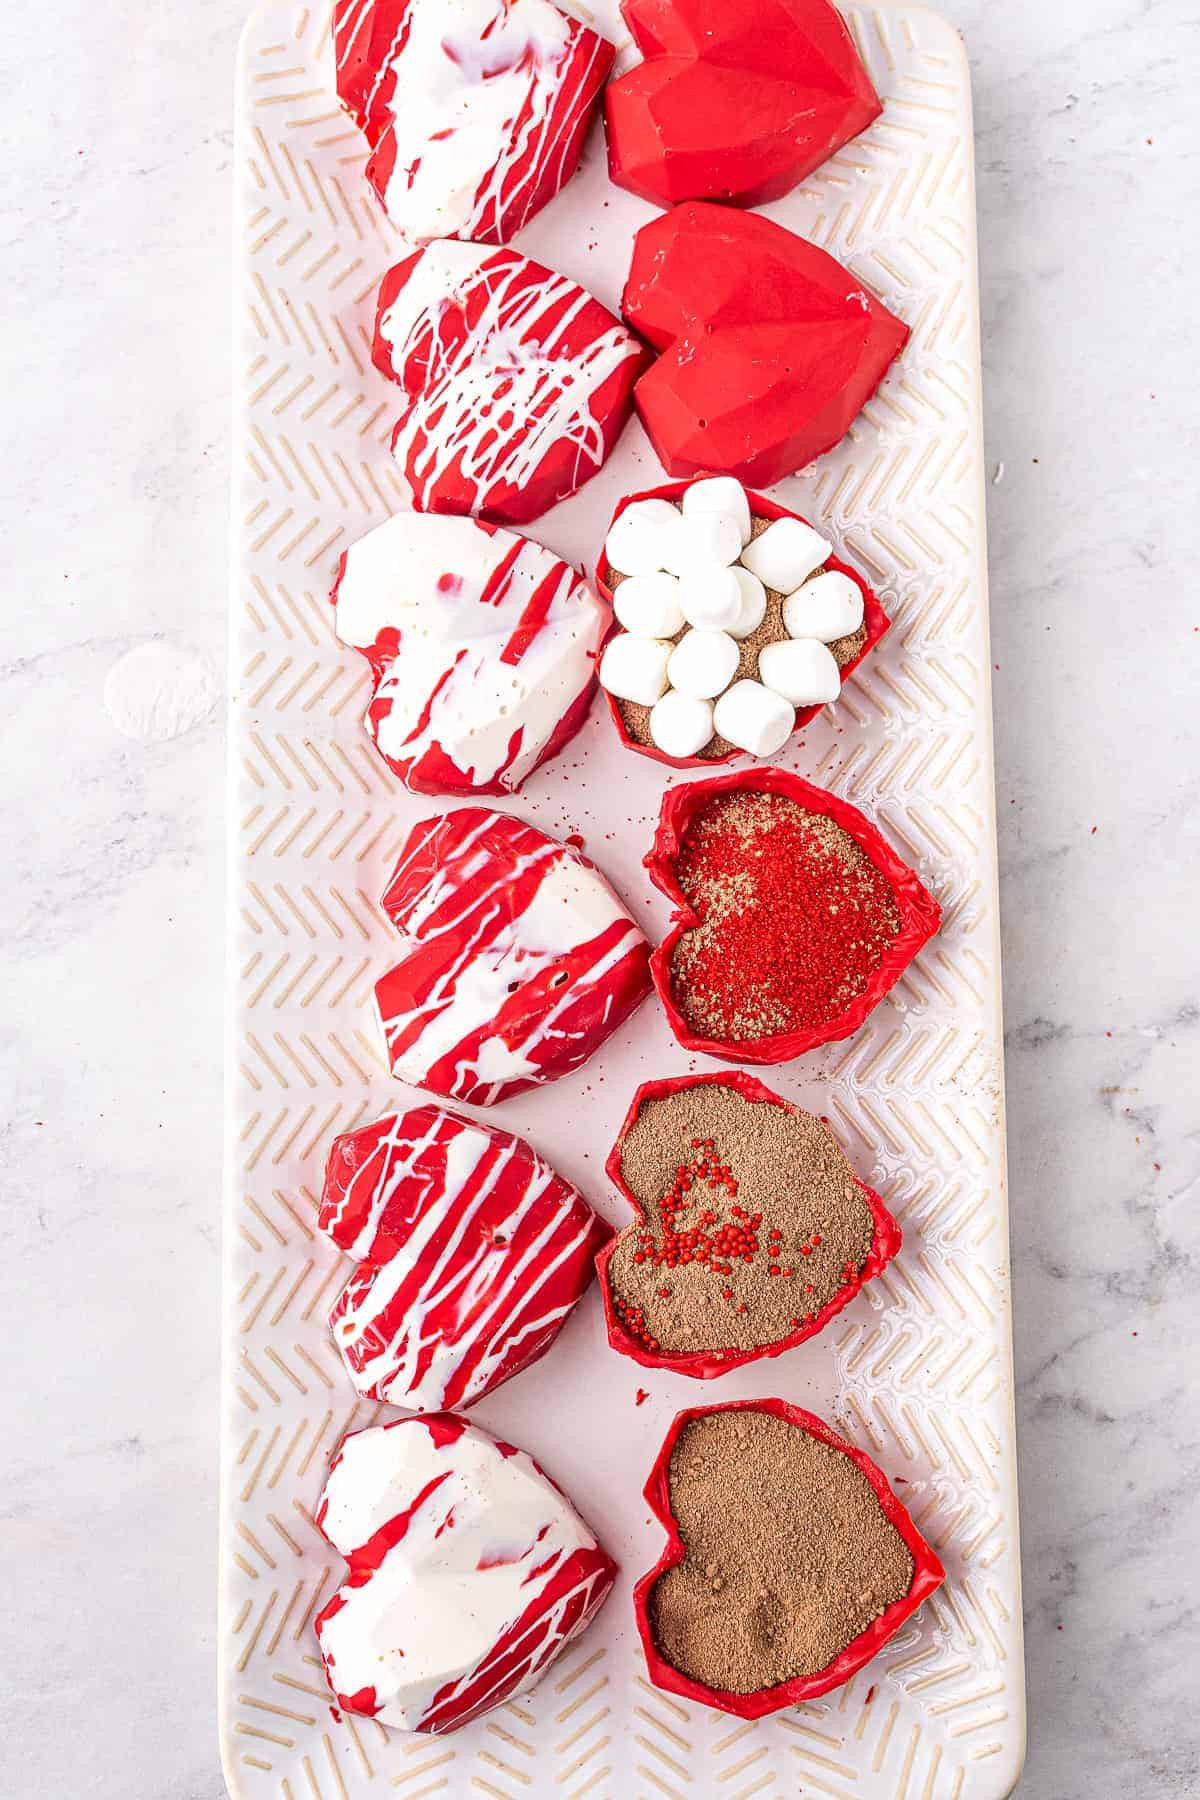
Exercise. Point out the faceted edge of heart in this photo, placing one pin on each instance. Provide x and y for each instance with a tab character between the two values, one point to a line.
809	435
920	913
628	121
875	619
928	1574
706	1365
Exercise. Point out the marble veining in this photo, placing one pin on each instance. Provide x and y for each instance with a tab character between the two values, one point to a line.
117	210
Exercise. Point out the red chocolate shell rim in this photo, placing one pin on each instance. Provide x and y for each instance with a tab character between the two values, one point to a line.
928	1575
761	506
920	913
705	1365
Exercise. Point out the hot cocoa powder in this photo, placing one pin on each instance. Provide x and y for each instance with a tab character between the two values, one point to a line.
794	918
789	1554
782	1167
636	718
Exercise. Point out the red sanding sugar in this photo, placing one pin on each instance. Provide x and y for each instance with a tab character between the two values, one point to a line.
794	919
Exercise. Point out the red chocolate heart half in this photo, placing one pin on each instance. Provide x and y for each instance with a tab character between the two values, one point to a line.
770	348
733	102
793	915
790	1562
517	382
631	721
472	1253
752	1230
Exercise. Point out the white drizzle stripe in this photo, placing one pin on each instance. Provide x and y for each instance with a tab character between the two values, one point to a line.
475	1252
469	1573
520	961
483	645
501	405
475	110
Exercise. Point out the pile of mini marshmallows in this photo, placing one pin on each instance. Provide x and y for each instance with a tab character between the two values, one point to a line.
700	568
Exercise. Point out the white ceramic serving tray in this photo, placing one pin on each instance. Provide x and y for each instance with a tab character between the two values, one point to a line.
918	1371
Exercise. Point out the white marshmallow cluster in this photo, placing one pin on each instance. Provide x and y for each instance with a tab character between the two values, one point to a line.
699	571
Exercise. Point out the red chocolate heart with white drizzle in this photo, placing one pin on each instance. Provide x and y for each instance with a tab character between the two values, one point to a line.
472	1253
517	382
475	110
519	960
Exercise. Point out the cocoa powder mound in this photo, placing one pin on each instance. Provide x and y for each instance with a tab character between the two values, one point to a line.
789	1554
636	718
816	1227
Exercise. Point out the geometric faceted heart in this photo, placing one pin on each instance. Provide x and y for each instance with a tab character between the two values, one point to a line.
475	112
733	102
519	960
752	1230
793	916
470	1571
848	654
770	348
517	383
473	1253
483	646
786	1567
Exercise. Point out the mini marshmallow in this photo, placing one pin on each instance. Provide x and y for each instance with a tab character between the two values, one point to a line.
828	607
681	725
706	541
711	598
753	718
719	494
640	541
801	670
754	604
635	668
648	605
702	663
786	554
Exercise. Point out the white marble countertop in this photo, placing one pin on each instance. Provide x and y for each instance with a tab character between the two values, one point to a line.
116	210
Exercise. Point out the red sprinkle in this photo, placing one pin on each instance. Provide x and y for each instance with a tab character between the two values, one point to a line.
791	930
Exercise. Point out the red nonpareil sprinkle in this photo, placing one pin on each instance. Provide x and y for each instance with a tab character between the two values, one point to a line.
794	919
